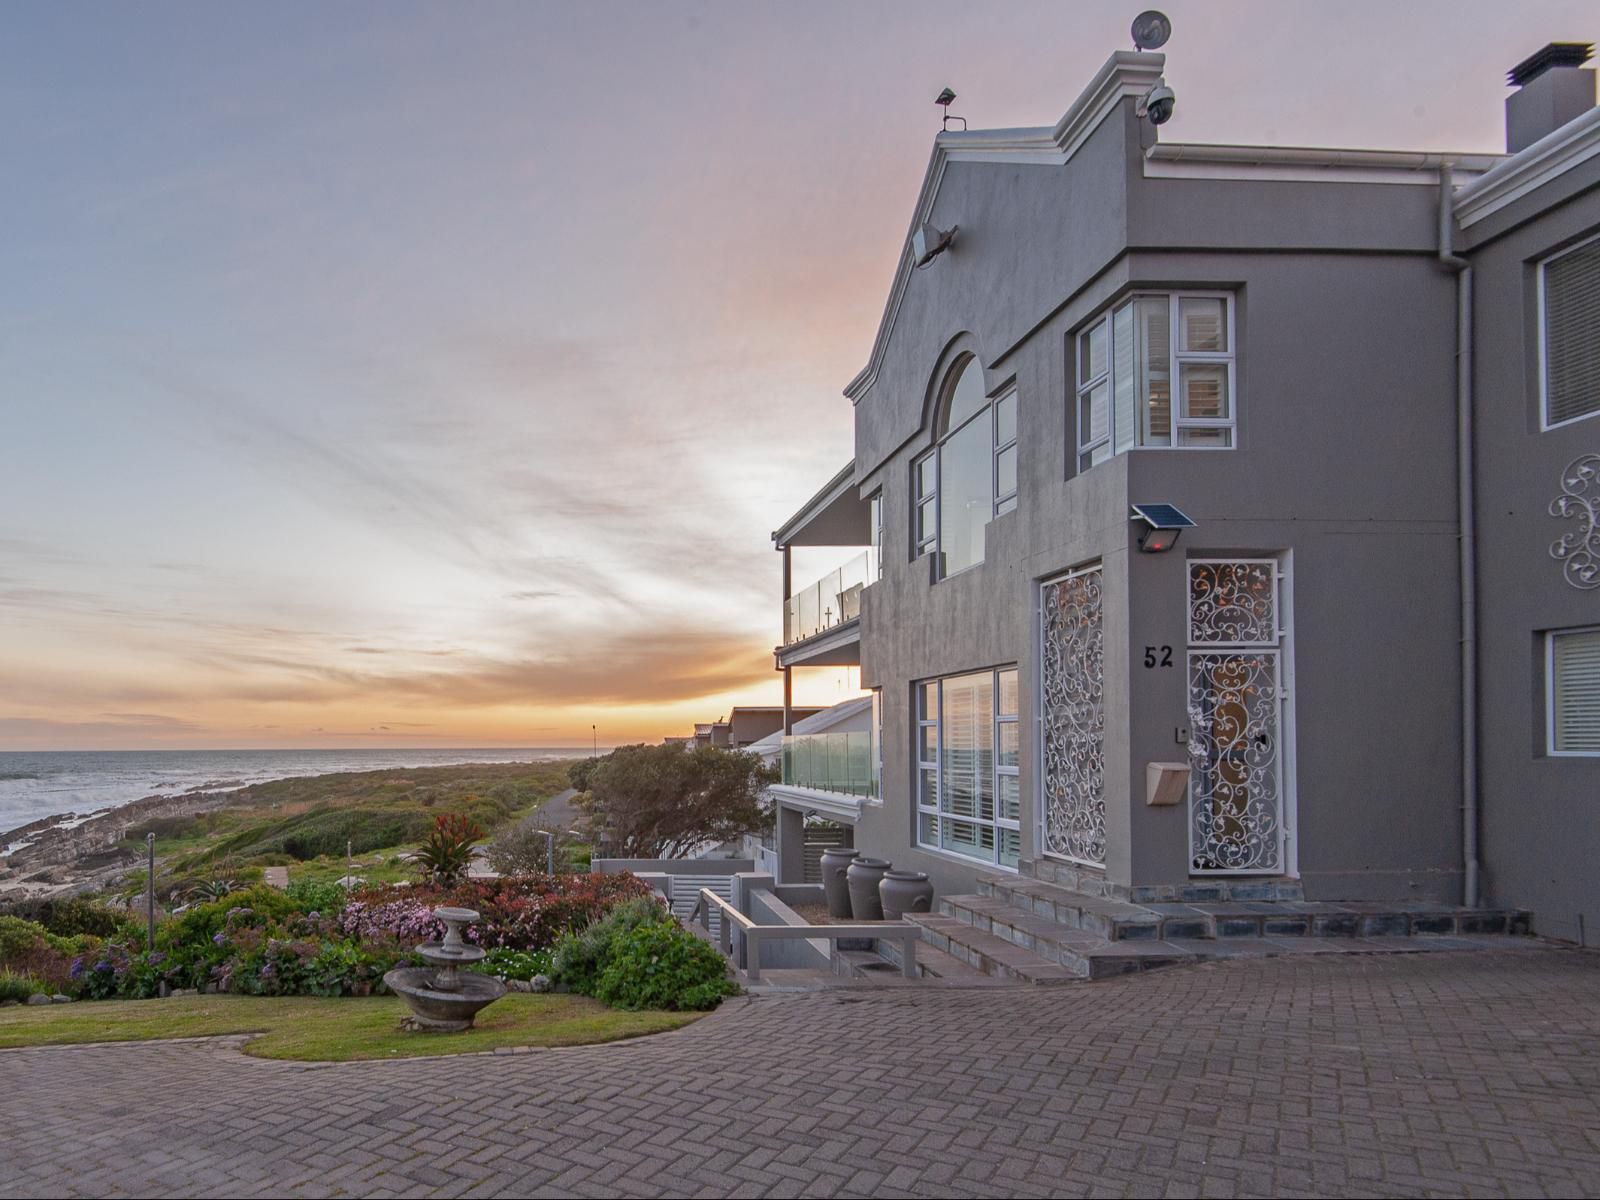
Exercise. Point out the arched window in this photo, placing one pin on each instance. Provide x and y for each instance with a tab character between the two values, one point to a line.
970	475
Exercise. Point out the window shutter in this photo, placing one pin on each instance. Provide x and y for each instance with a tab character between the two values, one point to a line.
1572	334
1575	692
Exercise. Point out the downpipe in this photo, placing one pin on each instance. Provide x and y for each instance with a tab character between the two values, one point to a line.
1466	542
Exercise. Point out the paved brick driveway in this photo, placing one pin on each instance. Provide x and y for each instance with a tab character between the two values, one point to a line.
1441	1073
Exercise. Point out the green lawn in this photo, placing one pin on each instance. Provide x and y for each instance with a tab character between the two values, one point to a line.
315	1030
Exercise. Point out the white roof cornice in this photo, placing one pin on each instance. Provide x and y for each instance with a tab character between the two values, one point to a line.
1551	156
1126	73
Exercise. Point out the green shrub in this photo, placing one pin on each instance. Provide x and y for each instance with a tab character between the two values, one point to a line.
580	958
516	964
202	921
68	916
663	966
18	987
327	897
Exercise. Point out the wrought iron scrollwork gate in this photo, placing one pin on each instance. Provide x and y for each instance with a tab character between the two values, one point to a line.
1236	784
1072	679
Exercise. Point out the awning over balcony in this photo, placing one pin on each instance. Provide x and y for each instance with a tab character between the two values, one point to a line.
835	516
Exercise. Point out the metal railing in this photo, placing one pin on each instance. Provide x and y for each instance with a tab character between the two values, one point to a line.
750	935
831	600
842	761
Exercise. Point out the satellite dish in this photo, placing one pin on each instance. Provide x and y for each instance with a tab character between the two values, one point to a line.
1151	29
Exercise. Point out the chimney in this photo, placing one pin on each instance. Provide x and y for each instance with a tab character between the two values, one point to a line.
1552	89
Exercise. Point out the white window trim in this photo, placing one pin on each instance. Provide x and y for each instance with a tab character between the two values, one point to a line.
1545	424
875	511
998	448
919	809
1550	693
1176	357
929	544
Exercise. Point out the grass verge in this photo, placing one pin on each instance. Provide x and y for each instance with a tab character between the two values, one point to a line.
344	1030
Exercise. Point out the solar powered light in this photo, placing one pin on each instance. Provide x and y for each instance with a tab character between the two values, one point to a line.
1163	524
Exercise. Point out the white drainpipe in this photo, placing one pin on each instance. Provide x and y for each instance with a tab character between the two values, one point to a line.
1467	542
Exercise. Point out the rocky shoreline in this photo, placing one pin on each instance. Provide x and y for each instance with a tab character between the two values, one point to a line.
79	852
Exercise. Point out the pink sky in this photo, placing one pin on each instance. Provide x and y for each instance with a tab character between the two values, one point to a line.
436	374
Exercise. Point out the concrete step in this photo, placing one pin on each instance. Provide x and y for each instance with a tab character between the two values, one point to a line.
1310	918
934	963
1114	920
1085	954
993	956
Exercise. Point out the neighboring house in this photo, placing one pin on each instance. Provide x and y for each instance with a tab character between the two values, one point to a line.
827	769
740	729
1266	339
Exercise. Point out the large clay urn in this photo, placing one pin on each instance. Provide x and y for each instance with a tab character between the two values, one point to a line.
903	892
863	877
835	862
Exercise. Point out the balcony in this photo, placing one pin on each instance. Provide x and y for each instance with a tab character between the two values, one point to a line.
843	763
830	602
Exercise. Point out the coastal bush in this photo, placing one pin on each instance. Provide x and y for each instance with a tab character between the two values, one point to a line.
67	916
663	966
525	912
524	847
581	956
667	801
327	897
17	988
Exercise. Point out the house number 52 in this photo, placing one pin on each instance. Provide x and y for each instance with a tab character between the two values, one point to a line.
1157	656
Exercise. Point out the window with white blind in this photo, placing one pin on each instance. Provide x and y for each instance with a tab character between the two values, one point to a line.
1573	671
968	759
1157	370
1569	334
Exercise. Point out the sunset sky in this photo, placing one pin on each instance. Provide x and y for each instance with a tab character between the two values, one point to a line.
377	373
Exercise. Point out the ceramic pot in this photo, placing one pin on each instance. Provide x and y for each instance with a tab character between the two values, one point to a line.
863	877
835	862
904	892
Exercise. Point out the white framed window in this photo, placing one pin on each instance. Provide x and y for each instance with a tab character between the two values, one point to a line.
968	798
877	741
1157	371
1569	334
875	510
925	503
1572	680
1005	452
970	475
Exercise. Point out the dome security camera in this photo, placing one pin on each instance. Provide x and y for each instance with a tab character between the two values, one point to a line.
1158	103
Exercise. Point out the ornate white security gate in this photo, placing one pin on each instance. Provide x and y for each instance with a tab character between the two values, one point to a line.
1237	815
1072	811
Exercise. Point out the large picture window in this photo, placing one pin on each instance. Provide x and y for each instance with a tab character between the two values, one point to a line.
1569	334
1141	386
970	476
968	749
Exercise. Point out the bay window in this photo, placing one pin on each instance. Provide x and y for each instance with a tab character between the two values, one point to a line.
1141	386
968	754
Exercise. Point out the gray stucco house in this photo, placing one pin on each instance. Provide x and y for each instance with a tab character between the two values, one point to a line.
1370	669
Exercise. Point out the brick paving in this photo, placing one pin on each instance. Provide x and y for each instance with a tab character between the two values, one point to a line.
1439	1074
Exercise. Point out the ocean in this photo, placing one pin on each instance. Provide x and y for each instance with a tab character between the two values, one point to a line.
42	784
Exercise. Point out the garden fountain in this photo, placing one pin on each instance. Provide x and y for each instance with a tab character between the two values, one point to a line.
441	996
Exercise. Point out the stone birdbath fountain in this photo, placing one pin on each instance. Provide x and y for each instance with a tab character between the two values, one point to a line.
442	996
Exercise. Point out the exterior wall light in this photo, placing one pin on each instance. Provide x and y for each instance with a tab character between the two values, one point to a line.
1163	525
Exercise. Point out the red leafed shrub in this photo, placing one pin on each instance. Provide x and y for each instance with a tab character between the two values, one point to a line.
447	853
521	912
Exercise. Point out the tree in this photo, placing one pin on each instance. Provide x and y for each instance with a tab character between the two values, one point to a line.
669	801
523	847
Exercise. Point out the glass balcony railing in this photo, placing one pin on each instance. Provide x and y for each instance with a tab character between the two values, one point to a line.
832	762
831	600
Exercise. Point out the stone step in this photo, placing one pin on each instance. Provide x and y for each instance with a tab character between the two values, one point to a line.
1086	954
1114	920
993	956
934	963
1310	918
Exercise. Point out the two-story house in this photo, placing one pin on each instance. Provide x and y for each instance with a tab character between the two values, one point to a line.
1327	686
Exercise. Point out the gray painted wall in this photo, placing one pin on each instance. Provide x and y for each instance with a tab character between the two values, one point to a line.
1345	461
1541	814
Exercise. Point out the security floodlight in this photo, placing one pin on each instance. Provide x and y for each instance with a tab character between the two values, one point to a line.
1164	524
929	241
1151	29
944	98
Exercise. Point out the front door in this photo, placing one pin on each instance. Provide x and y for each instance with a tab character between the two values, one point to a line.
1072	812
1237	813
